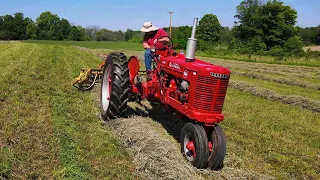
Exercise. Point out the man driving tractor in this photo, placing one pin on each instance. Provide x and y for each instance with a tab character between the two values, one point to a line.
152	36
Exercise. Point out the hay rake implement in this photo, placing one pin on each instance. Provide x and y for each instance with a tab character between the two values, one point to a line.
88	78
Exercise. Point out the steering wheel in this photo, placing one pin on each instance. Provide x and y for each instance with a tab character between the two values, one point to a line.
164	44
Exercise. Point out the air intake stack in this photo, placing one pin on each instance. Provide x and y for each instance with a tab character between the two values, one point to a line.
192	43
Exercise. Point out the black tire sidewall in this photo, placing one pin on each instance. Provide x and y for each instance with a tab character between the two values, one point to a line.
201	143
218	140
119	86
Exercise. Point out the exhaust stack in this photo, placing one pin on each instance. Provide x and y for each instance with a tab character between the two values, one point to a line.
192	43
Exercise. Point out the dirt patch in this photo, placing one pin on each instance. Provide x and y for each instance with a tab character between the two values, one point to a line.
102	56
103	53
1	143
8	42
312	48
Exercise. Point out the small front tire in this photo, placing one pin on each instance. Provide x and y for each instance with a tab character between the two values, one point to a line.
194	145
218	149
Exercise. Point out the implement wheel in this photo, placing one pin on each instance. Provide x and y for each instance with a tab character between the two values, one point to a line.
217	148
114	86
194	145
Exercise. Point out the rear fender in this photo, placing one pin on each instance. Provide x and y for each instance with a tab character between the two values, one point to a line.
134	67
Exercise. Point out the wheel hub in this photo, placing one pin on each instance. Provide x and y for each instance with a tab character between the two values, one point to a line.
210	147
106	88
189	148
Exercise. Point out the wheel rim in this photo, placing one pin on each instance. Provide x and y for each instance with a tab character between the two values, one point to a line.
189	147
106	88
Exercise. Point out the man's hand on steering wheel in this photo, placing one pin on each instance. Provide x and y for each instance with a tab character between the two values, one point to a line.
166	44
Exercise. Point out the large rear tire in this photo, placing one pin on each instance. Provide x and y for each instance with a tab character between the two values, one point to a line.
194	145
114	86
218	150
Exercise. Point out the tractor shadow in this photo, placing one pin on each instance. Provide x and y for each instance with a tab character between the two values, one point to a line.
155	111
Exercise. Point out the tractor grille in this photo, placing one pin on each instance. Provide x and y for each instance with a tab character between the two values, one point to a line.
210	94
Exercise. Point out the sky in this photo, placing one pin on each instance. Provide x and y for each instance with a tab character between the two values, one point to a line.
131	14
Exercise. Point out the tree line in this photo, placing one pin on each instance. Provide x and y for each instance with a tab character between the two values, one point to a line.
50	26
259	26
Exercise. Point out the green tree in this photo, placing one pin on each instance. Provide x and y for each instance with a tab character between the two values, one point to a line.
8	28
128	35
272	22
277	22
226	34
75	34
209	28
13	27
180	35
248	17
119	35
137	37
108	35
32	31
1	26
49	26
65	28
82	33
19	28
318	36
293	45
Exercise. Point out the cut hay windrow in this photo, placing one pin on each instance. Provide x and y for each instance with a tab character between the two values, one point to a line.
157	154
278	67
305	76
271	95
155	157
279	80
284	70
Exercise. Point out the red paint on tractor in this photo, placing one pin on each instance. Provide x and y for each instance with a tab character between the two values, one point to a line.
206	93
134	67
210	146
190	146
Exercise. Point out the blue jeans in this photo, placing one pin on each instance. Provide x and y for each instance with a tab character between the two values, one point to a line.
148	59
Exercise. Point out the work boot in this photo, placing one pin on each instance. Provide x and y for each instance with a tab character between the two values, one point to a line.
149	75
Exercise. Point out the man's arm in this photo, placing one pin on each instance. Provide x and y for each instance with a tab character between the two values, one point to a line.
163	34
163	39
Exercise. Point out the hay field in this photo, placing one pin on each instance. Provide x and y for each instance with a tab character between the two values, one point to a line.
50	130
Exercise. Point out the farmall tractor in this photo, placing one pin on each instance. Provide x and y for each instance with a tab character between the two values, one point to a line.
194	89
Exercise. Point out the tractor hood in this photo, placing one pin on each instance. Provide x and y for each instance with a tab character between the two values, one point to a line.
180	65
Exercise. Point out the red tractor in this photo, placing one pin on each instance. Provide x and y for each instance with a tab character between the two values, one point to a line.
195	89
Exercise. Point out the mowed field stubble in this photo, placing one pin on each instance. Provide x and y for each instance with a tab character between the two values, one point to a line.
48	129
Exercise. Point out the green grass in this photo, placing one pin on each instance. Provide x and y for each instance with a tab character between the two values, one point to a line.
92	44
48	129
271	137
